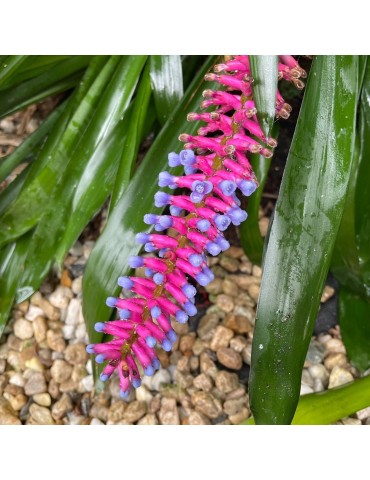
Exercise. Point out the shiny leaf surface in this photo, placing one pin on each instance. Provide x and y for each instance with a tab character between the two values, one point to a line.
304	228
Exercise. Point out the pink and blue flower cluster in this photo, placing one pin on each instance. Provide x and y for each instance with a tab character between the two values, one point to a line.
216	171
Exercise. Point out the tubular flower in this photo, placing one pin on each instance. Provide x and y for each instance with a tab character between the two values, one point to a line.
215	168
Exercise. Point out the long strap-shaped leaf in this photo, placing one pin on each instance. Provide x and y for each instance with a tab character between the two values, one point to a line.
327	407
108	259
305	225
264	70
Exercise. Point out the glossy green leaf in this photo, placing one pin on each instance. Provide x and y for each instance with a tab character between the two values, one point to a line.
304	228
9	67
354	321
31	144
61	77
11	266
55	156
264	69
167	83
108	260
328	407
92	166
132	137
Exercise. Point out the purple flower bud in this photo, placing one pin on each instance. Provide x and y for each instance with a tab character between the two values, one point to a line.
125	282
156	364
90	348
135	261
202	279
124	393
247	187
150	341
158	278
175	211
189	290
149	272
165	179
181	316
213	248
203	225
187	157
172	337
190	309
165	221
142	237
161	199
149	371
149	247
155	312
166	345
173	159
161	252
124	314
222	242
99	327
188	170
222	222
227	187
100	358
195	259
150	218
237	215
159	228
136	383
103	377
111	302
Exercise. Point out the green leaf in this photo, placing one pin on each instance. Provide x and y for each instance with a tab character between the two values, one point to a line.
328	407
264	69
354	321
108	260
25	211
132	137
304	228
10	66
61	77
11	266
167	83
92	167
30	146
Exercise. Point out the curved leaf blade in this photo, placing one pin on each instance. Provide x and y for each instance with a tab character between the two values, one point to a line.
304	228
167	83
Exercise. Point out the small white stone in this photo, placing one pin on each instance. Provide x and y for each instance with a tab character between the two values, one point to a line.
73	312
23	329
68	331
96	421
77	285
17	379
89	366
159	378
34	312
76	250
143	394
87	383
305	389
60	297
81	333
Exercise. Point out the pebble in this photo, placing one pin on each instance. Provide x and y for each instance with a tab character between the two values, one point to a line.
168	414
229	264
238	323
234	252
61	297
34	364
334	345
55	340
196	418
116	412
77	285
96	421
339	376
254	291
229	358
230	288
2	366
319	372
143	395
315	353
183	364
160	378
198	347
215	287
206	325
39	328
305	389
207	365
307	378
23	329
187	342
221	337
203	382
76	354
46	308
134	411
327	293
17	379
225	302
35	384
238	343
335	359
206	404
263	224
87	384
17	402
42	399
247	354
33	312
149	419
233	406
351	421
237	418
41	415
363	414
61	371
73	311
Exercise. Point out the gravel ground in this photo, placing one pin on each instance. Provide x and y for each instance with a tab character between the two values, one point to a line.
46	374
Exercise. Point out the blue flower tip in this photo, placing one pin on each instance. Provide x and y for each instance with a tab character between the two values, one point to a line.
125	282
124	393
136	382
149	371
99	327
103	377
181	316
150	341
155	311
111	302
135	261
100	358
90	348
166	345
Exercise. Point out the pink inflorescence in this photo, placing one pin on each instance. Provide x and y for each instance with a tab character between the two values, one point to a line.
215	168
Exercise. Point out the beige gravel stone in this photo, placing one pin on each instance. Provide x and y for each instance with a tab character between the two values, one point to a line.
39	329
206	404
116	412
35	384
254	291
41	415
168	414
230	358
334	345
238	323
229	264
238	343
55	340
149	419
234	406
327	293
51	312
335	359
230	288
214	287
61	371
240	416
203	382
61	297
23	329
134	411
221	337
207	365
186	343
42	399
196	418
226	381
76	354
225	302
62	406
339	376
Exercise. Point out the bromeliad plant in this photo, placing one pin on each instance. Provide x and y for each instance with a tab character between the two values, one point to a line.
95	135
